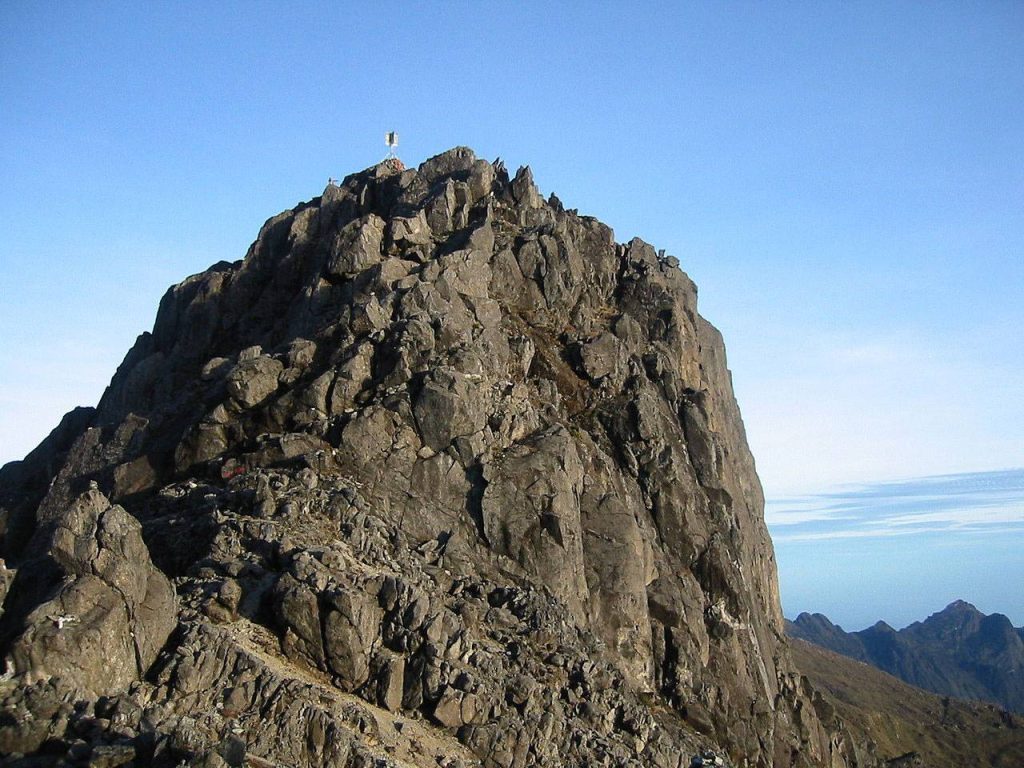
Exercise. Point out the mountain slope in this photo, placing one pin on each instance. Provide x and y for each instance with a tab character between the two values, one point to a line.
958	651
437	450
941	732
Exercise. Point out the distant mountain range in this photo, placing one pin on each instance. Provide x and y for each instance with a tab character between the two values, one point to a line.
958	651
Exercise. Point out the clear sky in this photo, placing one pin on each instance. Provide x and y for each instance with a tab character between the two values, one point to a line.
844	181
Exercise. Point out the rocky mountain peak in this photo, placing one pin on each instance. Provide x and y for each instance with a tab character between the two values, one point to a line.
960	606
952	622
957	651
819	619
437	450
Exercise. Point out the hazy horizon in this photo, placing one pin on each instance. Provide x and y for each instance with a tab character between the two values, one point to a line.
843	552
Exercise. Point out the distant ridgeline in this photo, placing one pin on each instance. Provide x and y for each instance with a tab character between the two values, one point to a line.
958	651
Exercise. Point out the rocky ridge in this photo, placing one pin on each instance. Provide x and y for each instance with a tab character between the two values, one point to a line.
958	651
439	473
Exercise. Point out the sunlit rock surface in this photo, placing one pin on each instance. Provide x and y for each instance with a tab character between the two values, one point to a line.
441	474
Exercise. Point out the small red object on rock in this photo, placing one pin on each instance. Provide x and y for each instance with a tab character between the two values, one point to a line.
230	469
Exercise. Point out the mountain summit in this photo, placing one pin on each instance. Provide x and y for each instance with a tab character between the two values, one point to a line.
958	651
439	473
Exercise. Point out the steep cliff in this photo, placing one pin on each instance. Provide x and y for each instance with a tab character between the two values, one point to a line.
439	472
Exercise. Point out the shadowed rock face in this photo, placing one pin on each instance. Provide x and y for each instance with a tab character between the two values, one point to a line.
435	448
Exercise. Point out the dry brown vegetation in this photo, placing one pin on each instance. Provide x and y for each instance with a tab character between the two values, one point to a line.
900	718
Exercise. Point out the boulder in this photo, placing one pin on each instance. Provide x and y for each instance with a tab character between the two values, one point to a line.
351	631
449	405
358	246
112	611
253	380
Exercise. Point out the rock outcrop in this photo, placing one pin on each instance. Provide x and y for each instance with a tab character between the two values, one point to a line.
441	474
112	611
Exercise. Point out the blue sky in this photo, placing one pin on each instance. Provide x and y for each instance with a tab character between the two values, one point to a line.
926	542
845	183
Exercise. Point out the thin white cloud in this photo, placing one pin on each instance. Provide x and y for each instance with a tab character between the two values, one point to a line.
865	533
985	503
796	517
979	516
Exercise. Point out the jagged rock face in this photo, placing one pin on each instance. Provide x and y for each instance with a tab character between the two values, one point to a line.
459	454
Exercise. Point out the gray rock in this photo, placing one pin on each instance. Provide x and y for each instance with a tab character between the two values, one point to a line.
358	246
531	513
297	608
253	380
600	357
391	682
448	406
351	633
112	611
409	231
523	189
